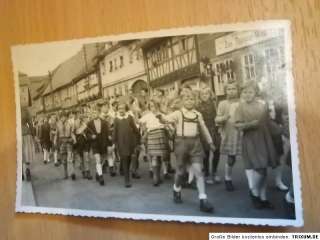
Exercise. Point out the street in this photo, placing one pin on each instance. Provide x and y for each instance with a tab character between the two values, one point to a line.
52	190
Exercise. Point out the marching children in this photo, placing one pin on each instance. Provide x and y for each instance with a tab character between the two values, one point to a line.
46	140
65	140
188	149
126	138
156	140
207	108
275	114
230	148
83	144
258	151
98	131
289	197
28	148
111	157
53	137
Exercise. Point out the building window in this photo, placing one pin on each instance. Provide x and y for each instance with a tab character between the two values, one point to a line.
121	61
103	67
249	67
229	67
131	57
184	44
138	54
115	64
274	63
222	73
110	66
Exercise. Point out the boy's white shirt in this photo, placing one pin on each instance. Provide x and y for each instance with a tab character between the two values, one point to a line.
177	118
97	124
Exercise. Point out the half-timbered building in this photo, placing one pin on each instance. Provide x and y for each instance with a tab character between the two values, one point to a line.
74	80
172	61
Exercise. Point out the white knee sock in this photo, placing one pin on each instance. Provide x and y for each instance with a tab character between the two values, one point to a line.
55	156
256	183
110	157
249	173
278	179
45	155
70	163
165	167
263	188
86	162
197	171
228	172
98	164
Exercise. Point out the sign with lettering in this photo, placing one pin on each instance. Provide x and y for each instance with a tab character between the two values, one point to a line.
238	40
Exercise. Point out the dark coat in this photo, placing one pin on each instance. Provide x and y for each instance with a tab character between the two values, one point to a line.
126	136
101	142
45	136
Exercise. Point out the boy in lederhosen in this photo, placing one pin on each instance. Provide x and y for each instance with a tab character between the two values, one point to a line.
65	140
188	149
98	132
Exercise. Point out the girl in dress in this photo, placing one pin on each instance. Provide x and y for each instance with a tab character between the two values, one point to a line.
156	140
258	151
230	149
126	138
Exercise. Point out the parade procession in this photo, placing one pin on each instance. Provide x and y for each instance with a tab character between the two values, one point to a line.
201	120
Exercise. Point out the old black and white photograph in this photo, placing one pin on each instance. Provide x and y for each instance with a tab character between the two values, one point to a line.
193	124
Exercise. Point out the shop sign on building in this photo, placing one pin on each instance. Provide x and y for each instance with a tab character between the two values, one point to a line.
238	40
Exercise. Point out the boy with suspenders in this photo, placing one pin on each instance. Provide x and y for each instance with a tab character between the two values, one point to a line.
188	149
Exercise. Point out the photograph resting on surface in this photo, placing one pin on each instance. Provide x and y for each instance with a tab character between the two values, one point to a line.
192	124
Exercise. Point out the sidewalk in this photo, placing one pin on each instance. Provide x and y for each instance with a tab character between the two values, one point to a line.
27	196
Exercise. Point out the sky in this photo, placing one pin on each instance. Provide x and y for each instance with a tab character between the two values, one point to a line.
38	59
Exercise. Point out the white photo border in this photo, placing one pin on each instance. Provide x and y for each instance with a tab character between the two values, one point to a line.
256	25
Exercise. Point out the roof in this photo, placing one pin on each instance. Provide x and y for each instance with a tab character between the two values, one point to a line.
82	62
114	47
150	42
37	85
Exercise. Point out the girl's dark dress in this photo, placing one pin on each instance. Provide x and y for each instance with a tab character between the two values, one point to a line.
126	138
258	148
45	136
